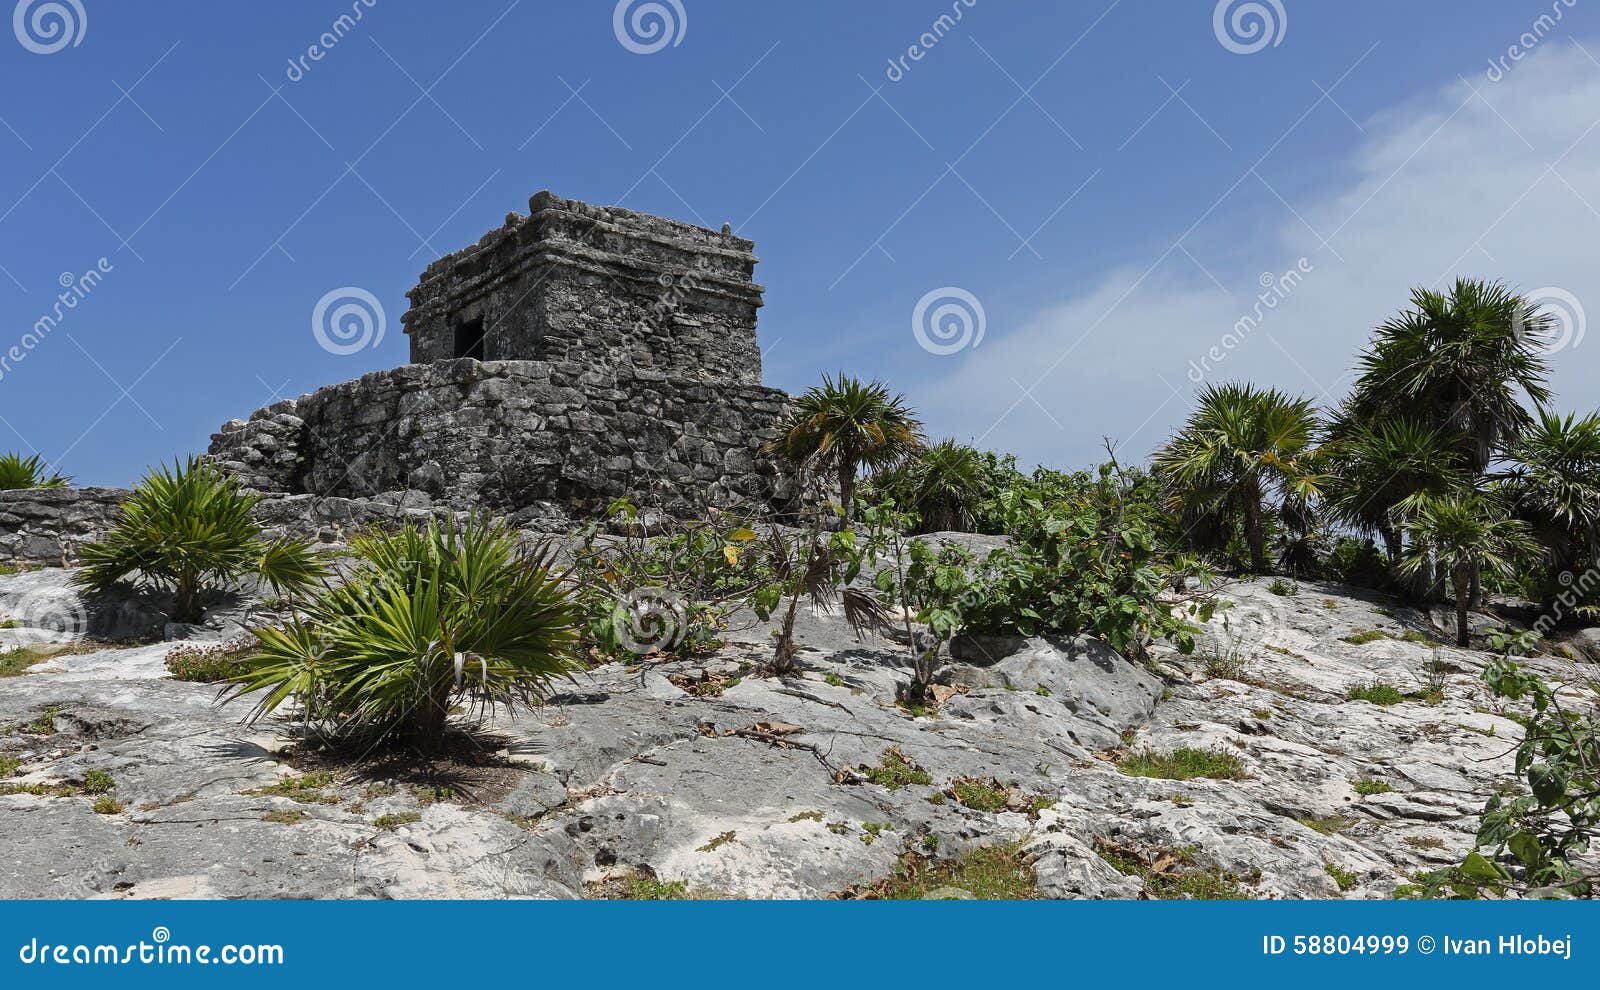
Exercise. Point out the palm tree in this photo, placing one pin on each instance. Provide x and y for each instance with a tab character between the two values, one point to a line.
1239	447
1458	362
1556	488
944	484
429	621
846	423
189	529
17	471
1377	473
1464	535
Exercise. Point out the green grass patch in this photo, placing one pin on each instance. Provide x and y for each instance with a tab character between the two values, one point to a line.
98	782
105	804
895	771
1283	589
390	823
1172	874
980	795
1365	636
293	816
806	816
1331	825
306	789
996	873
1184	763
1366	787
833	680
1376	692
9	765
718	842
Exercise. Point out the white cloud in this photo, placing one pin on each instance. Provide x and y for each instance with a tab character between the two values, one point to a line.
1503	184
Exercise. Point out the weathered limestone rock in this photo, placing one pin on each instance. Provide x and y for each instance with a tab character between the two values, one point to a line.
627	773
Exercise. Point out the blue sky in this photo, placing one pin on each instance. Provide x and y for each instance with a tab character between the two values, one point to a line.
1109	180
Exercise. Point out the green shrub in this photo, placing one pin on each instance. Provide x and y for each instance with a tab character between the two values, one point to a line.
97	782
979	794
1084	558
665	586
18	472
427	619
189	530
1376	692
1282	588
105	804
1369	787
1184	763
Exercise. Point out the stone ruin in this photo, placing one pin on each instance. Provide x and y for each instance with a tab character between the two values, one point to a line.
571	357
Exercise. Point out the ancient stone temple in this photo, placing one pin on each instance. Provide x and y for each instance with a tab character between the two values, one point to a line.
573	356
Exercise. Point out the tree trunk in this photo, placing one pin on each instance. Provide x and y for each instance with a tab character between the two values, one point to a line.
1463	590
1391	543
1252	530
1475	596
847	488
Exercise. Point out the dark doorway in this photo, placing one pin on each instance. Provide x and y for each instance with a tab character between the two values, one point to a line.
469	340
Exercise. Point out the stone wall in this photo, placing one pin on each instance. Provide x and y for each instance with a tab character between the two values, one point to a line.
519	435
602	286
51	525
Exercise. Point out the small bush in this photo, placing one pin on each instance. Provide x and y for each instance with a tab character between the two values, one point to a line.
97	782
1184	763
105	804
650	889
1343	877
9	765
1376	692
1283	589
1369	787
1230	662
209	663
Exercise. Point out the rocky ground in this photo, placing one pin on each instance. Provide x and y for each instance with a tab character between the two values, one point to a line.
697	779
